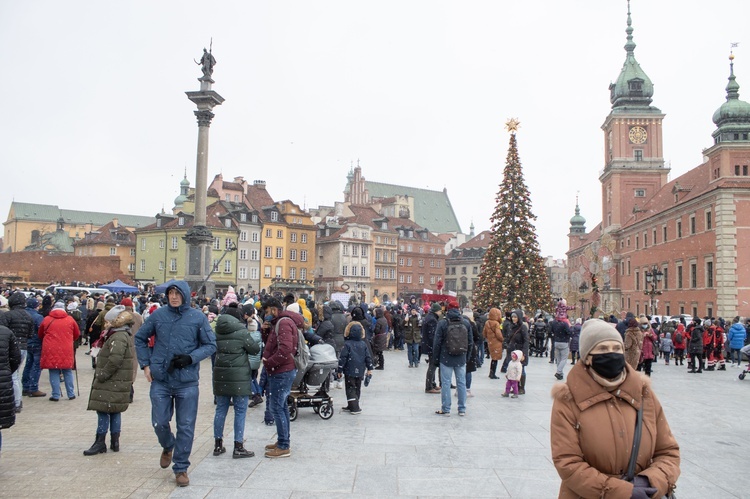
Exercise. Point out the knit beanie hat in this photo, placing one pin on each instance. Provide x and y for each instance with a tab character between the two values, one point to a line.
59	304
435	308
595	331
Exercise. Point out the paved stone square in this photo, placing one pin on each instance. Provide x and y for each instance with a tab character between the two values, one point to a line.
396	447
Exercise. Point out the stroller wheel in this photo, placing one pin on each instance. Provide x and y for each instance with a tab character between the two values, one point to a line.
293	412
742	375
326	410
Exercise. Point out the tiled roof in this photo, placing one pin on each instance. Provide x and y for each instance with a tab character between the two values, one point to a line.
366	215
51	213
432	209
213	211
431	238
108	235
481	240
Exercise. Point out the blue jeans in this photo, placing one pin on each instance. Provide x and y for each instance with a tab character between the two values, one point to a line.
16	377
468	381
446	374
111	421
240	409
412	351
183	403
54	381
278	388
735	356
31	370
480	354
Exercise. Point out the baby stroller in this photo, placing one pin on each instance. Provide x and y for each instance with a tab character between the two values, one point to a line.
746	351
317	374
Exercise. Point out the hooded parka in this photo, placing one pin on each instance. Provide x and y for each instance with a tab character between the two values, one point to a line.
234	343
592	430
58	331
10	360
493	333
110	389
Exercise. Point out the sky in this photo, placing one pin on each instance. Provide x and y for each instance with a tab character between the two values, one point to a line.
417	92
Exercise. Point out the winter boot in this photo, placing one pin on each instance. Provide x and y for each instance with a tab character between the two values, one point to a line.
522	385
219	448
114	442
493	369
99	446
240	451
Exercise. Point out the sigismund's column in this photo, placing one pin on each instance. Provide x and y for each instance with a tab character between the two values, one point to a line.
199	237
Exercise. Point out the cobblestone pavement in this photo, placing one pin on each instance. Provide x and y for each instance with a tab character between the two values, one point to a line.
396	447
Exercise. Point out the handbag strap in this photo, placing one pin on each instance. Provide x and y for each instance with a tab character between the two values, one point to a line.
636	444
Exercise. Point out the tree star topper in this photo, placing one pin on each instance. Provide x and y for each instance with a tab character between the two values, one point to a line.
512	125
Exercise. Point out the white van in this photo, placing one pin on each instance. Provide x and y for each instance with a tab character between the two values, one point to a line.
62	291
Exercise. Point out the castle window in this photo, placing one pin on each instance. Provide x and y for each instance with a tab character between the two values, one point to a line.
640	193
744	170
736	169
638	154
736	136
635	85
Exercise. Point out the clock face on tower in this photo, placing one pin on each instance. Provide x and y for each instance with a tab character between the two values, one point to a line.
637	135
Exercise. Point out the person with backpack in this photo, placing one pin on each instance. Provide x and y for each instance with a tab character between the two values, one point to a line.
281	339
451	349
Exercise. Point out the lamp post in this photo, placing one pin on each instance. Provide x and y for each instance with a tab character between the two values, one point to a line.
582	290
653	277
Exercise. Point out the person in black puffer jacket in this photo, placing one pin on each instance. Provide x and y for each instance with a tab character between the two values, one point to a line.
380	338
10	360
339	321
18	320
354	364
325	327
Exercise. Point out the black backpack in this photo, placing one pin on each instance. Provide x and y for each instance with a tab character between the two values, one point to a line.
456	337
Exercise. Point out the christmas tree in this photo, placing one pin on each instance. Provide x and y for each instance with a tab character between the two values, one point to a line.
513	274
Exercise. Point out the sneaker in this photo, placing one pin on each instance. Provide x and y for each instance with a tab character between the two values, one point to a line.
433	390
53	399
19	408
558	376
25	393
441	413
506	394
182	479
273	453
469	394
345	408
462	413
269	423
359	411
514	396
166	459
272	446
37	393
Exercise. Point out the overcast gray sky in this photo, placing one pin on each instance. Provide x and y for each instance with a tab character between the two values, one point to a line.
95	115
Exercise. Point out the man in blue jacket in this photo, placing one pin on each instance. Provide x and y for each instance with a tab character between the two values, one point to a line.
736	338
452	362
182	339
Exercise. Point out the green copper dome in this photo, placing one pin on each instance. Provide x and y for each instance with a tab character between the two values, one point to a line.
733	111
179	201
577	218
633	88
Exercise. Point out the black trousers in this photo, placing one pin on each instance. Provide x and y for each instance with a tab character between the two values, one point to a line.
430	376
353	385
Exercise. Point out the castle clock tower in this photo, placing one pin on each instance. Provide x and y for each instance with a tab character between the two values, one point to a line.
634	161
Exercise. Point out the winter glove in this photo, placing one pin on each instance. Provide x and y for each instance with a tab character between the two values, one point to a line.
642	488
180	361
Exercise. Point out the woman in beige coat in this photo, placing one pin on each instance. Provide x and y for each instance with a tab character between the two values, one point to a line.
633	343
593	425
493	333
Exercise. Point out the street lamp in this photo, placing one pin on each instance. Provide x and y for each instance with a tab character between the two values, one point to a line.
653	277
582	289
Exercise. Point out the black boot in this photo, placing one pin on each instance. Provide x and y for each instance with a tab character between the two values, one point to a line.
99	446
219	448
240	451
522	385
493	369
114	442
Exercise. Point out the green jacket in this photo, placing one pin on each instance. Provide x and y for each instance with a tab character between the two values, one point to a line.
412	329
110	389
232	368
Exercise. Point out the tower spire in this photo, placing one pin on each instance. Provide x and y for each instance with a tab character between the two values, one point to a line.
630	44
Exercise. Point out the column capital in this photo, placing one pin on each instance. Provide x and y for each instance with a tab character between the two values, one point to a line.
204	117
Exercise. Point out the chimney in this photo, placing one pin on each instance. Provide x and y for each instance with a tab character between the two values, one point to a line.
115	223
260	184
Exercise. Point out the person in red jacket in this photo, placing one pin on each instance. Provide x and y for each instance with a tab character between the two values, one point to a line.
679	339
279	332
58	331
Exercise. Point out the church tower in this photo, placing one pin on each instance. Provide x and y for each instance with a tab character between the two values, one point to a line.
634	160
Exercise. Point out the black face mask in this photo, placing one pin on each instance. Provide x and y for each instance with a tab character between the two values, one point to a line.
608	365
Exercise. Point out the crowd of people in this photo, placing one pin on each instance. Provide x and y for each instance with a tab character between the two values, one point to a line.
255	342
